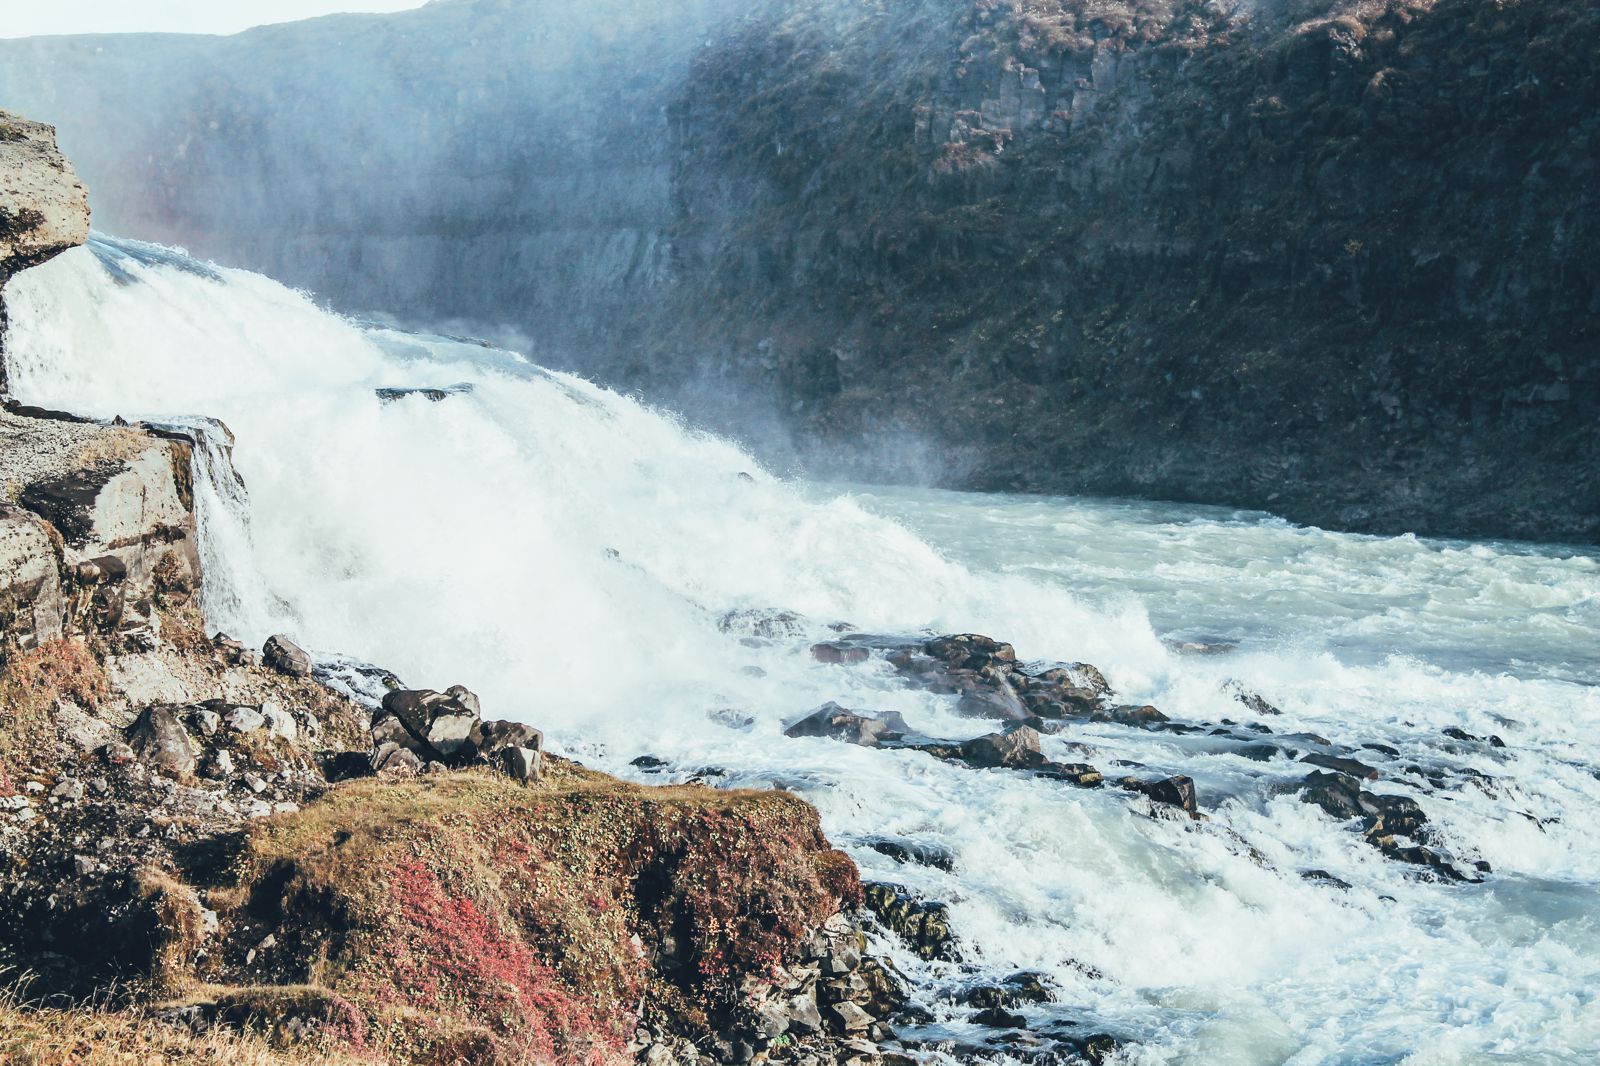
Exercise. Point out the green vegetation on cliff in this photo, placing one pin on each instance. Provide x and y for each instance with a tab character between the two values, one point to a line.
1336	260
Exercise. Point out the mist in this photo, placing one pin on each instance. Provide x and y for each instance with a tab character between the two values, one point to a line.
486	167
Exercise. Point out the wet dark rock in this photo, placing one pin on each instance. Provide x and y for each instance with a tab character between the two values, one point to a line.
970	651
1023	987
648	762
1016	749
1081	677
1000	1018
1461	734
1259	752
1081	774
1323	877
924	926
286	657
1251	700
1434	861
995	699
1094	1049
1173	791
907	852
1339	795
1382	749
915	664
1134	716
1390	814
436	395
1029	986
1353	767
840	723
840	654
1203	646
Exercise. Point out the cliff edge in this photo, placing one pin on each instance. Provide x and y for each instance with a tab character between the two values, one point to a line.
44	208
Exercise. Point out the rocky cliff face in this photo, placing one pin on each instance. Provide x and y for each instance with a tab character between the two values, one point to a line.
1331	259
1334	261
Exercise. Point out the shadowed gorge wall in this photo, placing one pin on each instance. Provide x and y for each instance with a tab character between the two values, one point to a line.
1337	260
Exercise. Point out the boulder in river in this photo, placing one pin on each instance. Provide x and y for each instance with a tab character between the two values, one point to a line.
853	727
1173	791
1016	748
839	653
1353	767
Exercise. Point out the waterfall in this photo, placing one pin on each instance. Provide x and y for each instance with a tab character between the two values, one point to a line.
456	513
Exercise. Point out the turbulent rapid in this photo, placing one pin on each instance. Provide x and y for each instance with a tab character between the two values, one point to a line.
583	562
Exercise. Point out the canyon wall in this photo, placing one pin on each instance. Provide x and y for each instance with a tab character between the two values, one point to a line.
1335	260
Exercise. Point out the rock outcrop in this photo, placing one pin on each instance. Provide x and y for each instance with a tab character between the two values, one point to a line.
44	208
94	536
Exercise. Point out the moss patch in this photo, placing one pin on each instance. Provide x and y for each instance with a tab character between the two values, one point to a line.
535	918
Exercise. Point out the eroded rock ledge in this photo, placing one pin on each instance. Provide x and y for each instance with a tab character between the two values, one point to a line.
44	208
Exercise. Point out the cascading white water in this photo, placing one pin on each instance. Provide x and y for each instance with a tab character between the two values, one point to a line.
568	554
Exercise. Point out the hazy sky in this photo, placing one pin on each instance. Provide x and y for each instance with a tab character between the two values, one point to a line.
25	18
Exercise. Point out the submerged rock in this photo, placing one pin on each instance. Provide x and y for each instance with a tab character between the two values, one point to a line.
1353	767
837	653
905	852
437	395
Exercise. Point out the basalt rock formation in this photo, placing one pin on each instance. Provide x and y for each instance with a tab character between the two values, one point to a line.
1327	258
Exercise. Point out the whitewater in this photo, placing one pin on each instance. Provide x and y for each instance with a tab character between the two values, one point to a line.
593	566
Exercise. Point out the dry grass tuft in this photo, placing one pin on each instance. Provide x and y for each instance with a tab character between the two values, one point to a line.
31	683
116	445
87	1038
